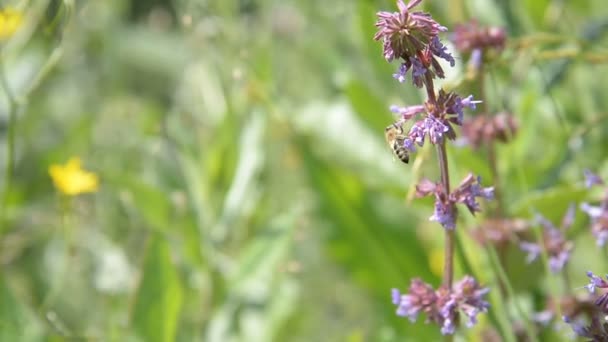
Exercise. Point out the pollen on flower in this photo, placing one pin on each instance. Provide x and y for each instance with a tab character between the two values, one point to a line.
10	21
71	179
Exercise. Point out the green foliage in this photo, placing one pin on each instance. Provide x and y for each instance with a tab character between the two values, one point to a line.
159	296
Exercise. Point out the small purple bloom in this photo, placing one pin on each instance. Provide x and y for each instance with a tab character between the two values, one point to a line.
420	298
467	192
409	144
532	249
435	129
592	179
442	306
440	51
596	331
469	102
558	248
396	295
599	221
468	297
577	327
476	59
595	282
401	72
409	112
444	214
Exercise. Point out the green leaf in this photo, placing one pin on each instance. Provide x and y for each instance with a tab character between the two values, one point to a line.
149	201
159	297
17	323
367	105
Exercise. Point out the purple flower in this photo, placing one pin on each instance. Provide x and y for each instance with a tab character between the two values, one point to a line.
396	295
595	282
405	33
466	297
466	193
409	112
440	51
443	305
413	38
476	59
444	214
596	331
454	104
592	179
532	249
599	221
468	190
401	72
471	37
435	129
558	248
420	298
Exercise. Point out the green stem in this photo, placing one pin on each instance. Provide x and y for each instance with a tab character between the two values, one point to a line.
448	266
10	143
504	279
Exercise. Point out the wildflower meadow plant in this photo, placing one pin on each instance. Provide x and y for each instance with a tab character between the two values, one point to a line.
412	38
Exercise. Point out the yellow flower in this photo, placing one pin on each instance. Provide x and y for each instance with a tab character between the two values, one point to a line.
10	20
71	179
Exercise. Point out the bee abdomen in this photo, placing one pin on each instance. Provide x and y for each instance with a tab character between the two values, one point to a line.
401	152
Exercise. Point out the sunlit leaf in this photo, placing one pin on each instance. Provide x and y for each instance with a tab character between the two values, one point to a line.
159	297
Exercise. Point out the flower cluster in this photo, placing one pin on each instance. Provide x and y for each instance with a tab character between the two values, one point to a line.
412	38
470	36
437	121
597	330
598	214
442	306
558	248
483	129
467	193
500	232
478	41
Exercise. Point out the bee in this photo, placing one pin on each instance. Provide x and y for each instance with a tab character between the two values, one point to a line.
395	138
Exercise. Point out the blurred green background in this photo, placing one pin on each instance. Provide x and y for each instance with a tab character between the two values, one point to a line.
245	189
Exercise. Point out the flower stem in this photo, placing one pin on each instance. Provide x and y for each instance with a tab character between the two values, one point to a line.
448	266
10	143
491	148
